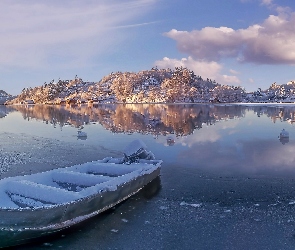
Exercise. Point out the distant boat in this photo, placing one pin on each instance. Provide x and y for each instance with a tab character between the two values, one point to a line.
82	135
284	136
39	204
170	141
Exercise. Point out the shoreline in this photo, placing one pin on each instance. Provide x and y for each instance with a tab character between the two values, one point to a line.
159	103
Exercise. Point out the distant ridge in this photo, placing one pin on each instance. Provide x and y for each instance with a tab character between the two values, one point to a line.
4	96
3	93
149	86
180	85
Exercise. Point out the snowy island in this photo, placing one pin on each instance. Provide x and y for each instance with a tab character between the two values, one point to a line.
180	85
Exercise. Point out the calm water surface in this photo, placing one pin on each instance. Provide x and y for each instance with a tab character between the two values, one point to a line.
227	181
223	139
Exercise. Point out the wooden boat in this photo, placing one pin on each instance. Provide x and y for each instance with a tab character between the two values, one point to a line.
39	204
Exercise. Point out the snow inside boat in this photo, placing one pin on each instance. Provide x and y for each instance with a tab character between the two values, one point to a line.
39	204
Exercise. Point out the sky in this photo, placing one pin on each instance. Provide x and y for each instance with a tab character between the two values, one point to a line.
247	43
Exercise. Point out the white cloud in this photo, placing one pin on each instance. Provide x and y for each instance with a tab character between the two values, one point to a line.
203	68
255	156
262	2
211	70
271	42
202	136
226	79
39	33
266	2
234	72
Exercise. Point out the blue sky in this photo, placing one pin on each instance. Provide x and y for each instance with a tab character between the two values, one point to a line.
249	43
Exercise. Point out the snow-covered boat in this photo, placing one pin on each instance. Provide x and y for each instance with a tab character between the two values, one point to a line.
39	204
170	141
284	137
284	134
81	135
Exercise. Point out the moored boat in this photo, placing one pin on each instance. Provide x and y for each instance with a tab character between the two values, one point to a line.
35	205
284	136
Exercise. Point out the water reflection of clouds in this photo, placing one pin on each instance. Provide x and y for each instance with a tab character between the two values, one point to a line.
229	124
232	132
201	136
243	157
207	134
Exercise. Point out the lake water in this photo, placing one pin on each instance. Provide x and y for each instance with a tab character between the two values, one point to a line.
227	179
223	139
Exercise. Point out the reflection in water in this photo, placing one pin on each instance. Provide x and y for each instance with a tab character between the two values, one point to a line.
221	138
152	188
5	110
158	119
284	140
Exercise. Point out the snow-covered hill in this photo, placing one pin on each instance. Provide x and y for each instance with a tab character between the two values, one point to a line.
4	96
155	85
150	86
